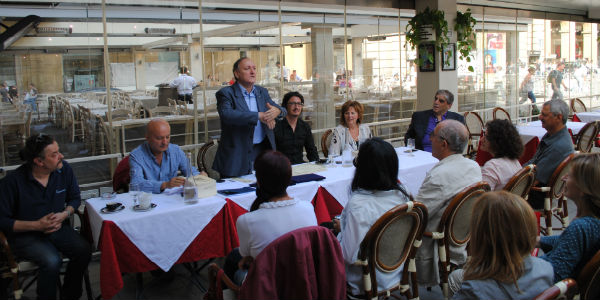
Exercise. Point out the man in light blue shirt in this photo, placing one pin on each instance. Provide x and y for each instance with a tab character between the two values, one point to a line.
154	164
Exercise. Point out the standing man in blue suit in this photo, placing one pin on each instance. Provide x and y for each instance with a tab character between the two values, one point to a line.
247	116
423	122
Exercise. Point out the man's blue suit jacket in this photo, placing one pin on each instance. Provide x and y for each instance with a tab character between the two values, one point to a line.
233	156
419	122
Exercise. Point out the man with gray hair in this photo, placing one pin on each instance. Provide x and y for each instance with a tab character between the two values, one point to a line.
554	147
423	122
446	179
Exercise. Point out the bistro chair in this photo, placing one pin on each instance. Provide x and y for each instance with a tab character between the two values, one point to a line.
589	279
521	183
22	273
500	113
326	141
390	244
206	157
577	105
587	136
310	250
474	126
564	289
162	111
454	227
554	190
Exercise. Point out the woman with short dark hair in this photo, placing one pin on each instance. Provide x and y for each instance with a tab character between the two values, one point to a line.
375	190
501	139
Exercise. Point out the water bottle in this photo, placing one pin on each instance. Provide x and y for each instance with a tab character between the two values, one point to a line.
347	157
190	193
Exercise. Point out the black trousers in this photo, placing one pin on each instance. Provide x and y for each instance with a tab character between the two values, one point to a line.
185	97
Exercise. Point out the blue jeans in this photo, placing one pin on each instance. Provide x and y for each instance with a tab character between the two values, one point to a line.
45	251
32	103
531	96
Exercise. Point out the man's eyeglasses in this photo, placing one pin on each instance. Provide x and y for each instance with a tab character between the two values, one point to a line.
296	103
439	99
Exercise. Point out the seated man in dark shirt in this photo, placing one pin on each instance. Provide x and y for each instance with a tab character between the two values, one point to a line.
37	200
423	122
292	134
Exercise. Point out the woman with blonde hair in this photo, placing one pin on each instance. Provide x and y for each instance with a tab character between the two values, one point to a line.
350	133
500	265
578	243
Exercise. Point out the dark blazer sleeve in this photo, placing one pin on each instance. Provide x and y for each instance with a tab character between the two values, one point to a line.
456	116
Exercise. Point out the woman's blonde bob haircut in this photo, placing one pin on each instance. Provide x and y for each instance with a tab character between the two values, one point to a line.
497	249
585	169
358	107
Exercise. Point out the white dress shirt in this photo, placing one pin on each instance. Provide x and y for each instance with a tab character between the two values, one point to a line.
257	229
361	212
446	179
184	84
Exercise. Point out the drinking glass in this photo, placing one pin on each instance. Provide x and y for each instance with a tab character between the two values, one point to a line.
134	190
410	143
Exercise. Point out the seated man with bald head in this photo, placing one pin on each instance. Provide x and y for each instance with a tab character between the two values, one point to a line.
446	179
154	164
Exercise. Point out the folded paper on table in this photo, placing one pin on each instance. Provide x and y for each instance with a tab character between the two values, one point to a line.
229	192
307	178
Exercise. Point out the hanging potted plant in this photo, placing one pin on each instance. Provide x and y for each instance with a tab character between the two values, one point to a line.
423	25
465	35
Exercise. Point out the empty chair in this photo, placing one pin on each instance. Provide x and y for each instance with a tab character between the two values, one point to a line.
326	141
577	105
121	114
475	126
162	111
586	137
206	157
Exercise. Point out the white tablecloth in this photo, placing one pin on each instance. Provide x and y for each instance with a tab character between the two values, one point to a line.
587	117
162	233
148	102
412	172
534	129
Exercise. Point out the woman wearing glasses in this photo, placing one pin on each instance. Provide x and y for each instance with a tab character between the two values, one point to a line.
292	134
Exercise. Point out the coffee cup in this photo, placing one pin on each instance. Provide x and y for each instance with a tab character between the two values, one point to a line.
145	200
111	206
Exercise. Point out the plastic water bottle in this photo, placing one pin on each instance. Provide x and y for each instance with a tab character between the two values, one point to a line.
347	157
190	192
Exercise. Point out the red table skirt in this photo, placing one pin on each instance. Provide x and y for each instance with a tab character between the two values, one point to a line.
119	255
528	152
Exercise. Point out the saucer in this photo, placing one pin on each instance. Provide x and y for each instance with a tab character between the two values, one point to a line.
138	208
105	210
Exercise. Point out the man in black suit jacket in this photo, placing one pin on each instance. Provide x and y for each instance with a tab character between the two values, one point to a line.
423	122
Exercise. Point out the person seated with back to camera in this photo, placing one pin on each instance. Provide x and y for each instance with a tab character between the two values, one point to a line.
447	178
292	133
423	123
501	139
350	133
375	190
155	163
578	243
273	213
501	265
